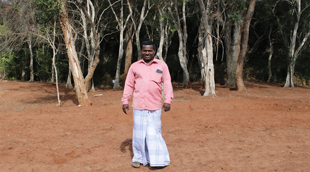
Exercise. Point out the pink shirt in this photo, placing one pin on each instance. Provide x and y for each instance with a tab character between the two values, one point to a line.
144	81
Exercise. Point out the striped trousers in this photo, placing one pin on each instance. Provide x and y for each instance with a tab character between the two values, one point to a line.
147	142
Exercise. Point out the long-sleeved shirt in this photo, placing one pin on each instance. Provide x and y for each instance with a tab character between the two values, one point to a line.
144	81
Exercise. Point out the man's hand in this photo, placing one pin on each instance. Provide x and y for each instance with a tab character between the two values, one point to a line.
166	107
125	108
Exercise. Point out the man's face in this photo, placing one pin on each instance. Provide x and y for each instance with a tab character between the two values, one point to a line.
148	53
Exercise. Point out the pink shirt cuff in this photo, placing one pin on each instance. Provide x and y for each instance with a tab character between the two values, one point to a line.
168	101
125	102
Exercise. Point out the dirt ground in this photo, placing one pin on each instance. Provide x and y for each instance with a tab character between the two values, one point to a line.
265	128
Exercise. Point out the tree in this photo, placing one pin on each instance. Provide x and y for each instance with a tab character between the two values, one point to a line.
19	23
296	34
270	55
129	47
181	27
206	45
91	34
47	31
80	87
244	46
122	26
51	39
165	30
234	12
138	21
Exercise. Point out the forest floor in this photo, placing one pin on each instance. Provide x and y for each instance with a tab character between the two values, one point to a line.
265	128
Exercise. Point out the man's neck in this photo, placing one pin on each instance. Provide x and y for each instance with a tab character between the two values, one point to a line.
148	63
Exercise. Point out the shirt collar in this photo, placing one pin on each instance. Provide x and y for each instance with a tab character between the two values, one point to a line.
154	61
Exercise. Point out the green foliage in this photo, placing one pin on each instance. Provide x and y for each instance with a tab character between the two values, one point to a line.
170	22
62	70
235	9
280	15
234	16
44	63
107	81
8	63
2	29
302	70
46	11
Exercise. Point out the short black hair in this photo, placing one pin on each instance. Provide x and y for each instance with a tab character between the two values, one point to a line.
147	42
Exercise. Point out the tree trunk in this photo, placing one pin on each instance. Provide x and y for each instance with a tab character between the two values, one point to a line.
244	47
129	50
207	51
228	52
122	26
292	61
289	78
232	48
69	83
208	64
91	38
3	77
23	77
94	64
186	79
167	43
141	20
159	53
78	78
288	81
23	74
56	76
200	55
182	34
119	59
270	55
31	60
290	72
53	74
183	63
139	51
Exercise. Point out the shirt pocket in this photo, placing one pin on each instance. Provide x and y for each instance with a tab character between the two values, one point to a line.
156	77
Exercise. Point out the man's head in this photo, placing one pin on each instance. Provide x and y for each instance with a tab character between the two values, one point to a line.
148	51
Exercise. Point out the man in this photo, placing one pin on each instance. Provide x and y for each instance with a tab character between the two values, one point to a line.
144	80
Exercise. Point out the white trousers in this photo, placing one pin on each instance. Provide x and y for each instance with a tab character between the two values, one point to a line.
147	143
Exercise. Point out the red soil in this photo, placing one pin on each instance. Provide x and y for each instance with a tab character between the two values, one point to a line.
265	128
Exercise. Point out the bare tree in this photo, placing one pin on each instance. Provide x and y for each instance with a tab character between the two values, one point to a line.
31	57
28	22
164	31
206	46
91	38
270	55
51	39
146	7
19	24
121	26
293	52
182	33
159	52
244	47
80	88
88	14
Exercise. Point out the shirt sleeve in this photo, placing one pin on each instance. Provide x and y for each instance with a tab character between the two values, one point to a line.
129	86
168	90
